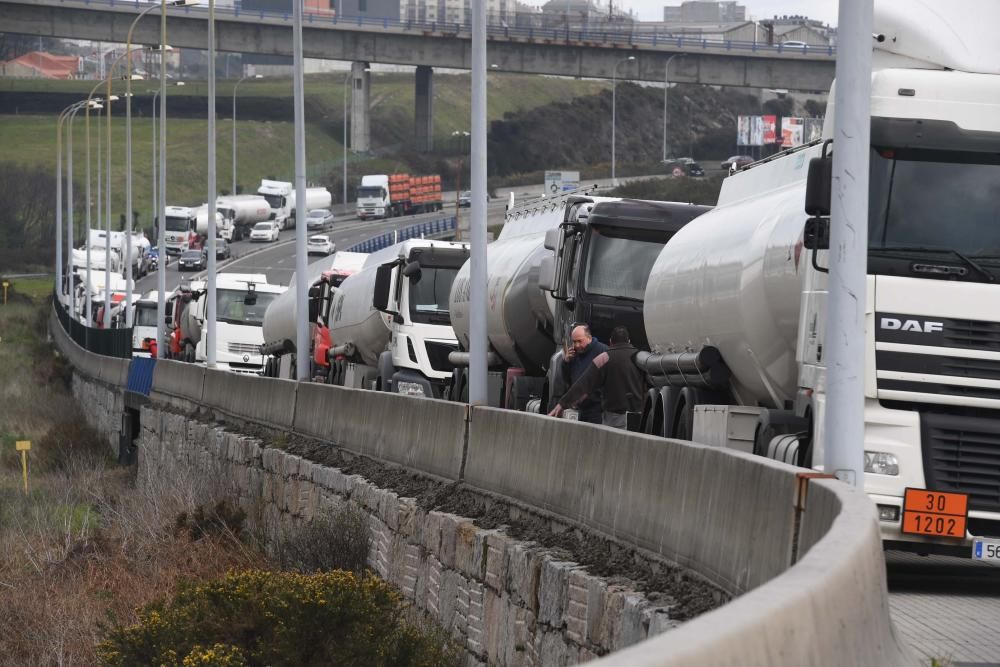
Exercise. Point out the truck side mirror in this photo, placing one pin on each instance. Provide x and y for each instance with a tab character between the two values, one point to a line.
313	308
816	235
552	238
819	183
547	274
314	291
383	281
412	271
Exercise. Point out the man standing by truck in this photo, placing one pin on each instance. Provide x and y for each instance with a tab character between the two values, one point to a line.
614	371
578	357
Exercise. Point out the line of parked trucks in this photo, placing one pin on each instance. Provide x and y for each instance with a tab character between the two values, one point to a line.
728	304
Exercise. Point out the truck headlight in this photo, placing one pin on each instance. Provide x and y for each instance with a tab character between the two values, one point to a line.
409	388
881	463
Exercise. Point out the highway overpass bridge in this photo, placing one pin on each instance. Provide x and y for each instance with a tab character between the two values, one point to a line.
572	53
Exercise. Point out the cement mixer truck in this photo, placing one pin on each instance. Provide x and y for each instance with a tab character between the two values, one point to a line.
575	258
389	326
735	307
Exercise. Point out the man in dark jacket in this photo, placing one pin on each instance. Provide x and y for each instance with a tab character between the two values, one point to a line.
577	360
615	371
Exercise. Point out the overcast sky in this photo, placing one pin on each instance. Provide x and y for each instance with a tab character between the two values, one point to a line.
823	10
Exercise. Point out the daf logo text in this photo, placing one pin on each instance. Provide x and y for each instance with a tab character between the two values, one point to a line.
894	324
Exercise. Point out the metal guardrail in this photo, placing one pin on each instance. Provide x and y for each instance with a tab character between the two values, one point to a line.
498	29
417	231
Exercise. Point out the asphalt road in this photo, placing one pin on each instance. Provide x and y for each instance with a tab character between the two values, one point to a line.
277	260
946	609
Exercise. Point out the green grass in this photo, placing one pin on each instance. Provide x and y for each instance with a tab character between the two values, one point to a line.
35	288
265	148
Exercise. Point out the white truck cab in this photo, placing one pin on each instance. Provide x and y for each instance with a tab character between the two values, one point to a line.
373	197
241	301
181	226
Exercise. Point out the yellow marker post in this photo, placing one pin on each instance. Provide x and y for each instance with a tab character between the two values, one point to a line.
6	284
23	446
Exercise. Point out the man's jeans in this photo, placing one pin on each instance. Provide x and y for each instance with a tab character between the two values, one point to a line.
614	419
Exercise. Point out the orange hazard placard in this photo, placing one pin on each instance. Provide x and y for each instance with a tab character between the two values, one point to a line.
935	513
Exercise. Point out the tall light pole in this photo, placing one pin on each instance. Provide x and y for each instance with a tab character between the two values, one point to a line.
59	178
128	167
156	93
477	223
107	210
843	452
242	79
666	87
69	195
301	285
91	104
614	82
344	176
210	329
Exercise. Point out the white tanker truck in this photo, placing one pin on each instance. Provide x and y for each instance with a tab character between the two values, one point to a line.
280	319
735	306
389	326
559	261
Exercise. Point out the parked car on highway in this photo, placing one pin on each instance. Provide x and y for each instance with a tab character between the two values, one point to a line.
318	218
193	260
222	249
465	199
320	244
739	160
265	232
794	44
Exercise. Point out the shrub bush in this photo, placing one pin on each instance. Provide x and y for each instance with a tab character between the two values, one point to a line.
259	617
335	541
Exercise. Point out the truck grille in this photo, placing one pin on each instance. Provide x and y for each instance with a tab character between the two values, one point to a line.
243	348
437	354
962	454
952	332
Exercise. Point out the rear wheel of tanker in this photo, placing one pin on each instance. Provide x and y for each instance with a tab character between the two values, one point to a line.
684	421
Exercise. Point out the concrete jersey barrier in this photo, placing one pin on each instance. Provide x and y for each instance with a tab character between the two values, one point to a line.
729	516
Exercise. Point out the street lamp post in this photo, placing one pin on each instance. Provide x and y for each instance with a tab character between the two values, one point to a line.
344	177
69	197
91	104
242	79
301	283
210	329
666	87
614	82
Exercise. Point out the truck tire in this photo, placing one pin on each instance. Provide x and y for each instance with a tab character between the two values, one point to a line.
774	423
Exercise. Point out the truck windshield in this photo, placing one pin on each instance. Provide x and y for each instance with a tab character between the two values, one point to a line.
938	200
230	307
619	267
177	224
145	316
372	191
429	295
274	201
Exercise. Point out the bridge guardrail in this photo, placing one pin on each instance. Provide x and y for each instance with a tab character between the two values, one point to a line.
586	36
807	567
419	230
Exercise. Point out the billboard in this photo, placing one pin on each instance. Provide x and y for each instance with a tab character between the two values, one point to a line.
791	132
557	182
743	130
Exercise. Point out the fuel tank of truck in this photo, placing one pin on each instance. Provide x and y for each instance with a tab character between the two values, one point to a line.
519	319
733	278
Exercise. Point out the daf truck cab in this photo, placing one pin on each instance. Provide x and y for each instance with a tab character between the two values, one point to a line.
736	303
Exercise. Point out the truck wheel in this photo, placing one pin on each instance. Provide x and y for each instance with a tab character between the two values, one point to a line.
684	422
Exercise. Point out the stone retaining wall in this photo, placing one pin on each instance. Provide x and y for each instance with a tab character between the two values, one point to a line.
507	601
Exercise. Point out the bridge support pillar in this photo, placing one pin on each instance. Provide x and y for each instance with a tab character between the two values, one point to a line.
361	133
424	108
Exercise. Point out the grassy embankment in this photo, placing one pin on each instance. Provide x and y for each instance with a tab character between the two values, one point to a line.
84	547
265	147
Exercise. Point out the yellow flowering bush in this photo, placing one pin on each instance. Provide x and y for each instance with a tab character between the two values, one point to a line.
260	617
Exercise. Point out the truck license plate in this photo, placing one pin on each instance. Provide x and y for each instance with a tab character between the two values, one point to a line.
935	513
987	550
